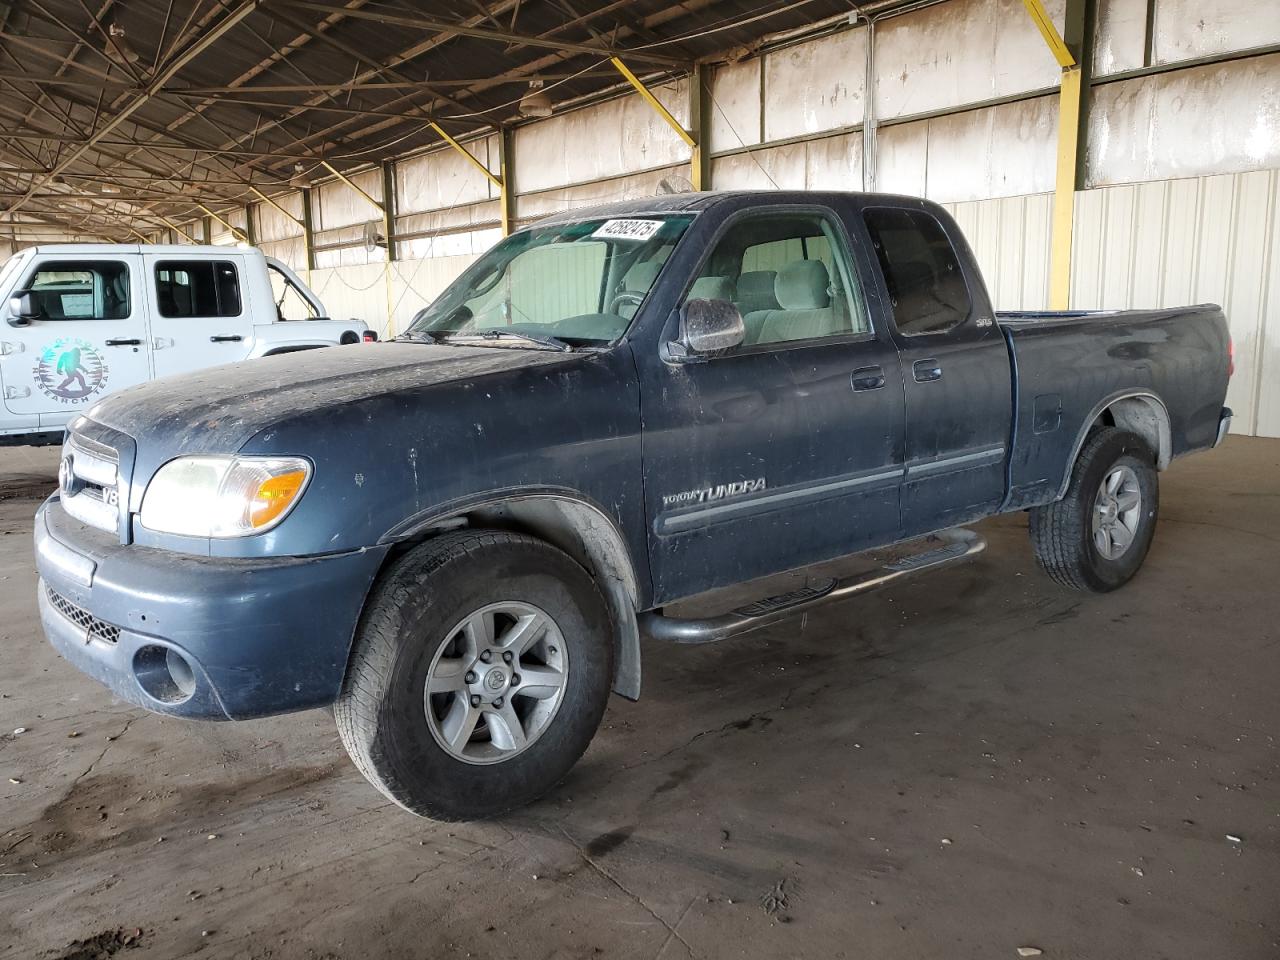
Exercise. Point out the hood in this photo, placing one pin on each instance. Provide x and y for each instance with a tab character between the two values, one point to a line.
217	409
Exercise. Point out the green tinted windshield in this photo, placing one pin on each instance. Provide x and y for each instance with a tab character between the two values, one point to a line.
579	282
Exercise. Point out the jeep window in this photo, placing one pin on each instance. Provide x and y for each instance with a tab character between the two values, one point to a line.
80	290
197	288
579	282
921	270
788	275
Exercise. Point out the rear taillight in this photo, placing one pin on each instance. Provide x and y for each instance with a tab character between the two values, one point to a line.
1231	357
370	336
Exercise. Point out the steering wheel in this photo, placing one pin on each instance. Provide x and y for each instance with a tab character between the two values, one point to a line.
626	296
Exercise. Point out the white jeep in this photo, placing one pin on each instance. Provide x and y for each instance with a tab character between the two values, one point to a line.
84	320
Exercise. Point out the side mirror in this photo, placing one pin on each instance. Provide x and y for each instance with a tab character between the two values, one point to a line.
22	309
708	328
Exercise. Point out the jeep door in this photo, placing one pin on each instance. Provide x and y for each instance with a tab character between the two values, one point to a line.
787	450
202	312
87	336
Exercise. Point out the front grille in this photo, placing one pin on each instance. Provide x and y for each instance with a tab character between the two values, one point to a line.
94	629
88	480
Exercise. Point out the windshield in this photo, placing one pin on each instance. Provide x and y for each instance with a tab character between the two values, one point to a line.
580	283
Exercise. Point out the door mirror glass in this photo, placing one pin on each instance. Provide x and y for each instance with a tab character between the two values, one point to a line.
22	309
710	327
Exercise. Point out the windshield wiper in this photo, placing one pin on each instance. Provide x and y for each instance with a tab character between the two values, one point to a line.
551	343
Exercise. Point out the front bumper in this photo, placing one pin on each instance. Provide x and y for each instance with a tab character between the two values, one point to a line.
194	636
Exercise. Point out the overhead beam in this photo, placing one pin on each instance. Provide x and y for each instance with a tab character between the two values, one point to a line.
193	50
426	22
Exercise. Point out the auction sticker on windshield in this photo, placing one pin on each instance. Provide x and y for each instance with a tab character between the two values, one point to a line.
627	229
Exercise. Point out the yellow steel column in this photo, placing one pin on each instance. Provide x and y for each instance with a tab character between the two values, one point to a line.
1064	194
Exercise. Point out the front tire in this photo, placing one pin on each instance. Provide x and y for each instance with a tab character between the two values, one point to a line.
1097	536
479	674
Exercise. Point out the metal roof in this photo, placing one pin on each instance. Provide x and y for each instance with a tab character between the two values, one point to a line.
120	115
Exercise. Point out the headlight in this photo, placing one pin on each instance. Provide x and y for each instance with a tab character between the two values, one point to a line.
223	496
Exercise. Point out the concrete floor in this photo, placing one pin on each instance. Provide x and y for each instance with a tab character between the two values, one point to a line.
964	765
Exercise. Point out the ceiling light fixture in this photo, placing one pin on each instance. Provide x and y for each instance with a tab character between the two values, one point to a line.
118	47
535	103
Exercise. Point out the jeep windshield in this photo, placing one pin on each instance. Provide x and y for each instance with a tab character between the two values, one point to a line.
576	284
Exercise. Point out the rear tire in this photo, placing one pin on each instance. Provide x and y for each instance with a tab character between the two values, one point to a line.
482	739
1097	536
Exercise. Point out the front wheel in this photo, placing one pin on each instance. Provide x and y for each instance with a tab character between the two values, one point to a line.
1096	537
479	674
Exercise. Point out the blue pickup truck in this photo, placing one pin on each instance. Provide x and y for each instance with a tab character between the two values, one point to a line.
457	538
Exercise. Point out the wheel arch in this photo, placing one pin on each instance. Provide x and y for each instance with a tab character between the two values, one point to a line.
579	528
1140	412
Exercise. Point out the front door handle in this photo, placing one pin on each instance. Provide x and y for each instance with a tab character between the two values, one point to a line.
868	378
233	338
926	370
124	343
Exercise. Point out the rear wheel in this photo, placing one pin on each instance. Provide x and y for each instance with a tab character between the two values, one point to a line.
480	672
1097	536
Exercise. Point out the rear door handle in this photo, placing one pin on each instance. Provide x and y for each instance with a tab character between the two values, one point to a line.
234	338
926	370
868	378
124	343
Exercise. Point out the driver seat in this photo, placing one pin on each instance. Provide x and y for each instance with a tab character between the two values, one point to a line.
638	280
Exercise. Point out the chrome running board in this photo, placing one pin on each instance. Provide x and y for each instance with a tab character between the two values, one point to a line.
957	546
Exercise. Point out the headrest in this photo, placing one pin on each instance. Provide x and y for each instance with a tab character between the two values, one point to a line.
712	288
756	283
641	276
802	286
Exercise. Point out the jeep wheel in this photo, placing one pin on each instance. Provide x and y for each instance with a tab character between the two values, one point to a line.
1096	537
479	674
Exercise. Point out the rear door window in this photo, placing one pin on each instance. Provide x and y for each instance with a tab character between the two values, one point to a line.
197	288
921	270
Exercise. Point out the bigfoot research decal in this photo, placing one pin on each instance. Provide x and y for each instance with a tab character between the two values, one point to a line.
70	370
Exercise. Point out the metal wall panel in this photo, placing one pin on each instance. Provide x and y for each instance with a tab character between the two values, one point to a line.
270	224
1010	240
961	52
443	179
815	86
530	206
1206	240
1186	29
1121	38
1005	150
735	105
1195	122
832	163
605	140
336	205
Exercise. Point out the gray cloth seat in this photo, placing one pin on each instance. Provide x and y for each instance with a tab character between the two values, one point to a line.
802	290
755	291
638	280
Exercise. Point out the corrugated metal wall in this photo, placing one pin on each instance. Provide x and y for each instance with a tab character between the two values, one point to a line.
1161	244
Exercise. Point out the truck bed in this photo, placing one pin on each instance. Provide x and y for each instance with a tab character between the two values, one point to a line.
1068	365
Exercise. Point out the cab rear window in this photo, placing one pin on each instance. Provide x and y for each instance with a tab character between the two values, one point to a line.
921	270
